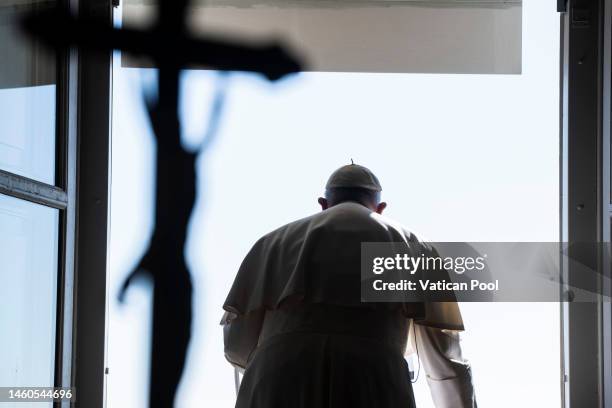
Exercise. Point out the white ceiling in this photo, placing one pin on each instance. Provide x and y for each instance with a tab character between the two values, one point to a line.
337	3
455	36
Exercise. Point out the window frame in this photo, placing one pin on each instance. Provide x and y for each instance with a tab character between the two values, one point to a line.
81	194
606	200
586	210
92	207
58	196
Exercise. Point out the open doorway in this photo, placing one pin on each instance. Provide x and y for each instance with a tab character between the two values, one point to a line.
461	157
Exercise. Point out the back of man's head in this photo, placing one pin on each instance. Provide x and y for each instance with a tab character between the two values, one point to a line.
363	196
353	183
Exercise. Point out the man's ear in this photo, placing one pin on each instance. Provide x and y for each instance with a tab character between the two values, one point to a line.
381	207
323	203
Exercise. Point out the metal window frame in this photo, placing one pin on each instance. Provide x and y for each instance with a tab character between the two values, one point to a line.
81	194
585	196
32	190
59	196
66	158
92	128
606	201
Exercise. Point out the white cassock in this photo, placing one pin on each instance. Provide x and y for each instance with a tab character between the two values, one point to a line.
295	322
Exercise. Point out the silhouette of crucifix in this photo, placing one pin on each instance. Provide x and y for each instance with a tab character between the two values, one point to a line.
171	48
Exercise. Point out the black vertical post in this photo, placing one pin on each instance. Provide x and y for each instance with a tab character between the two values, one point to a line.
93	141
582	52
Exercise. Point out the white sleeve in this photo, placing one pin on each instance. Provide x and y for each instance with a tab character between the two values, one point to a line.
449	376
240	337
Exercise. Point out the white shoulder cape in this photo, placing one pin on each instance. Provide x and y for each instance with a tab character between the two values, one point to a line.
317	259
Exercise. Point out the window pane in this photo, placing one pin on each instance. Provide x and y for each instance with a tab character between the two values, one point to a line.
28	273
27	99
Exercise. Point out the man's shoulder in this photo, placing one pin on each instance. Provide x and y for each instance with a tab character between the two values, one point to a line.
346	216
353	217
288	228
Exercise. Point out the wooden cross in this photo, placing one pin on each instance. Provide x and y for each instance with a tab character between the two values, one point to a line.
172	48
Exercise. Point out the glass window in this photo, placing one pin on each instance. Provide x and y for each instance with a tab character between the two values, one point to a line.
27	98
28	290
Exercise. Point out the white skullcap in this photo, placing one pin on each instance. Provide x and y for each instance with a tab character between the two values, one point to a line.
353	176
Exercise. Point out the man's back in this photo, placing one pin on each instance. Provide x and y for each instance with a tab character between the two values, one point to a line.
316	259
296	324
318	355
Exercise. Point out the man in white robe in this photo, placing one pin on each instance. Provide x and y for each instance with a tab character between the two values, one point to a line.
295	324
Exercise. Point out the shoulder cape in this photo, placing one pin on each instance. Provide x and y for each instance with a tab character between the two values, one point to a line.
317	259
